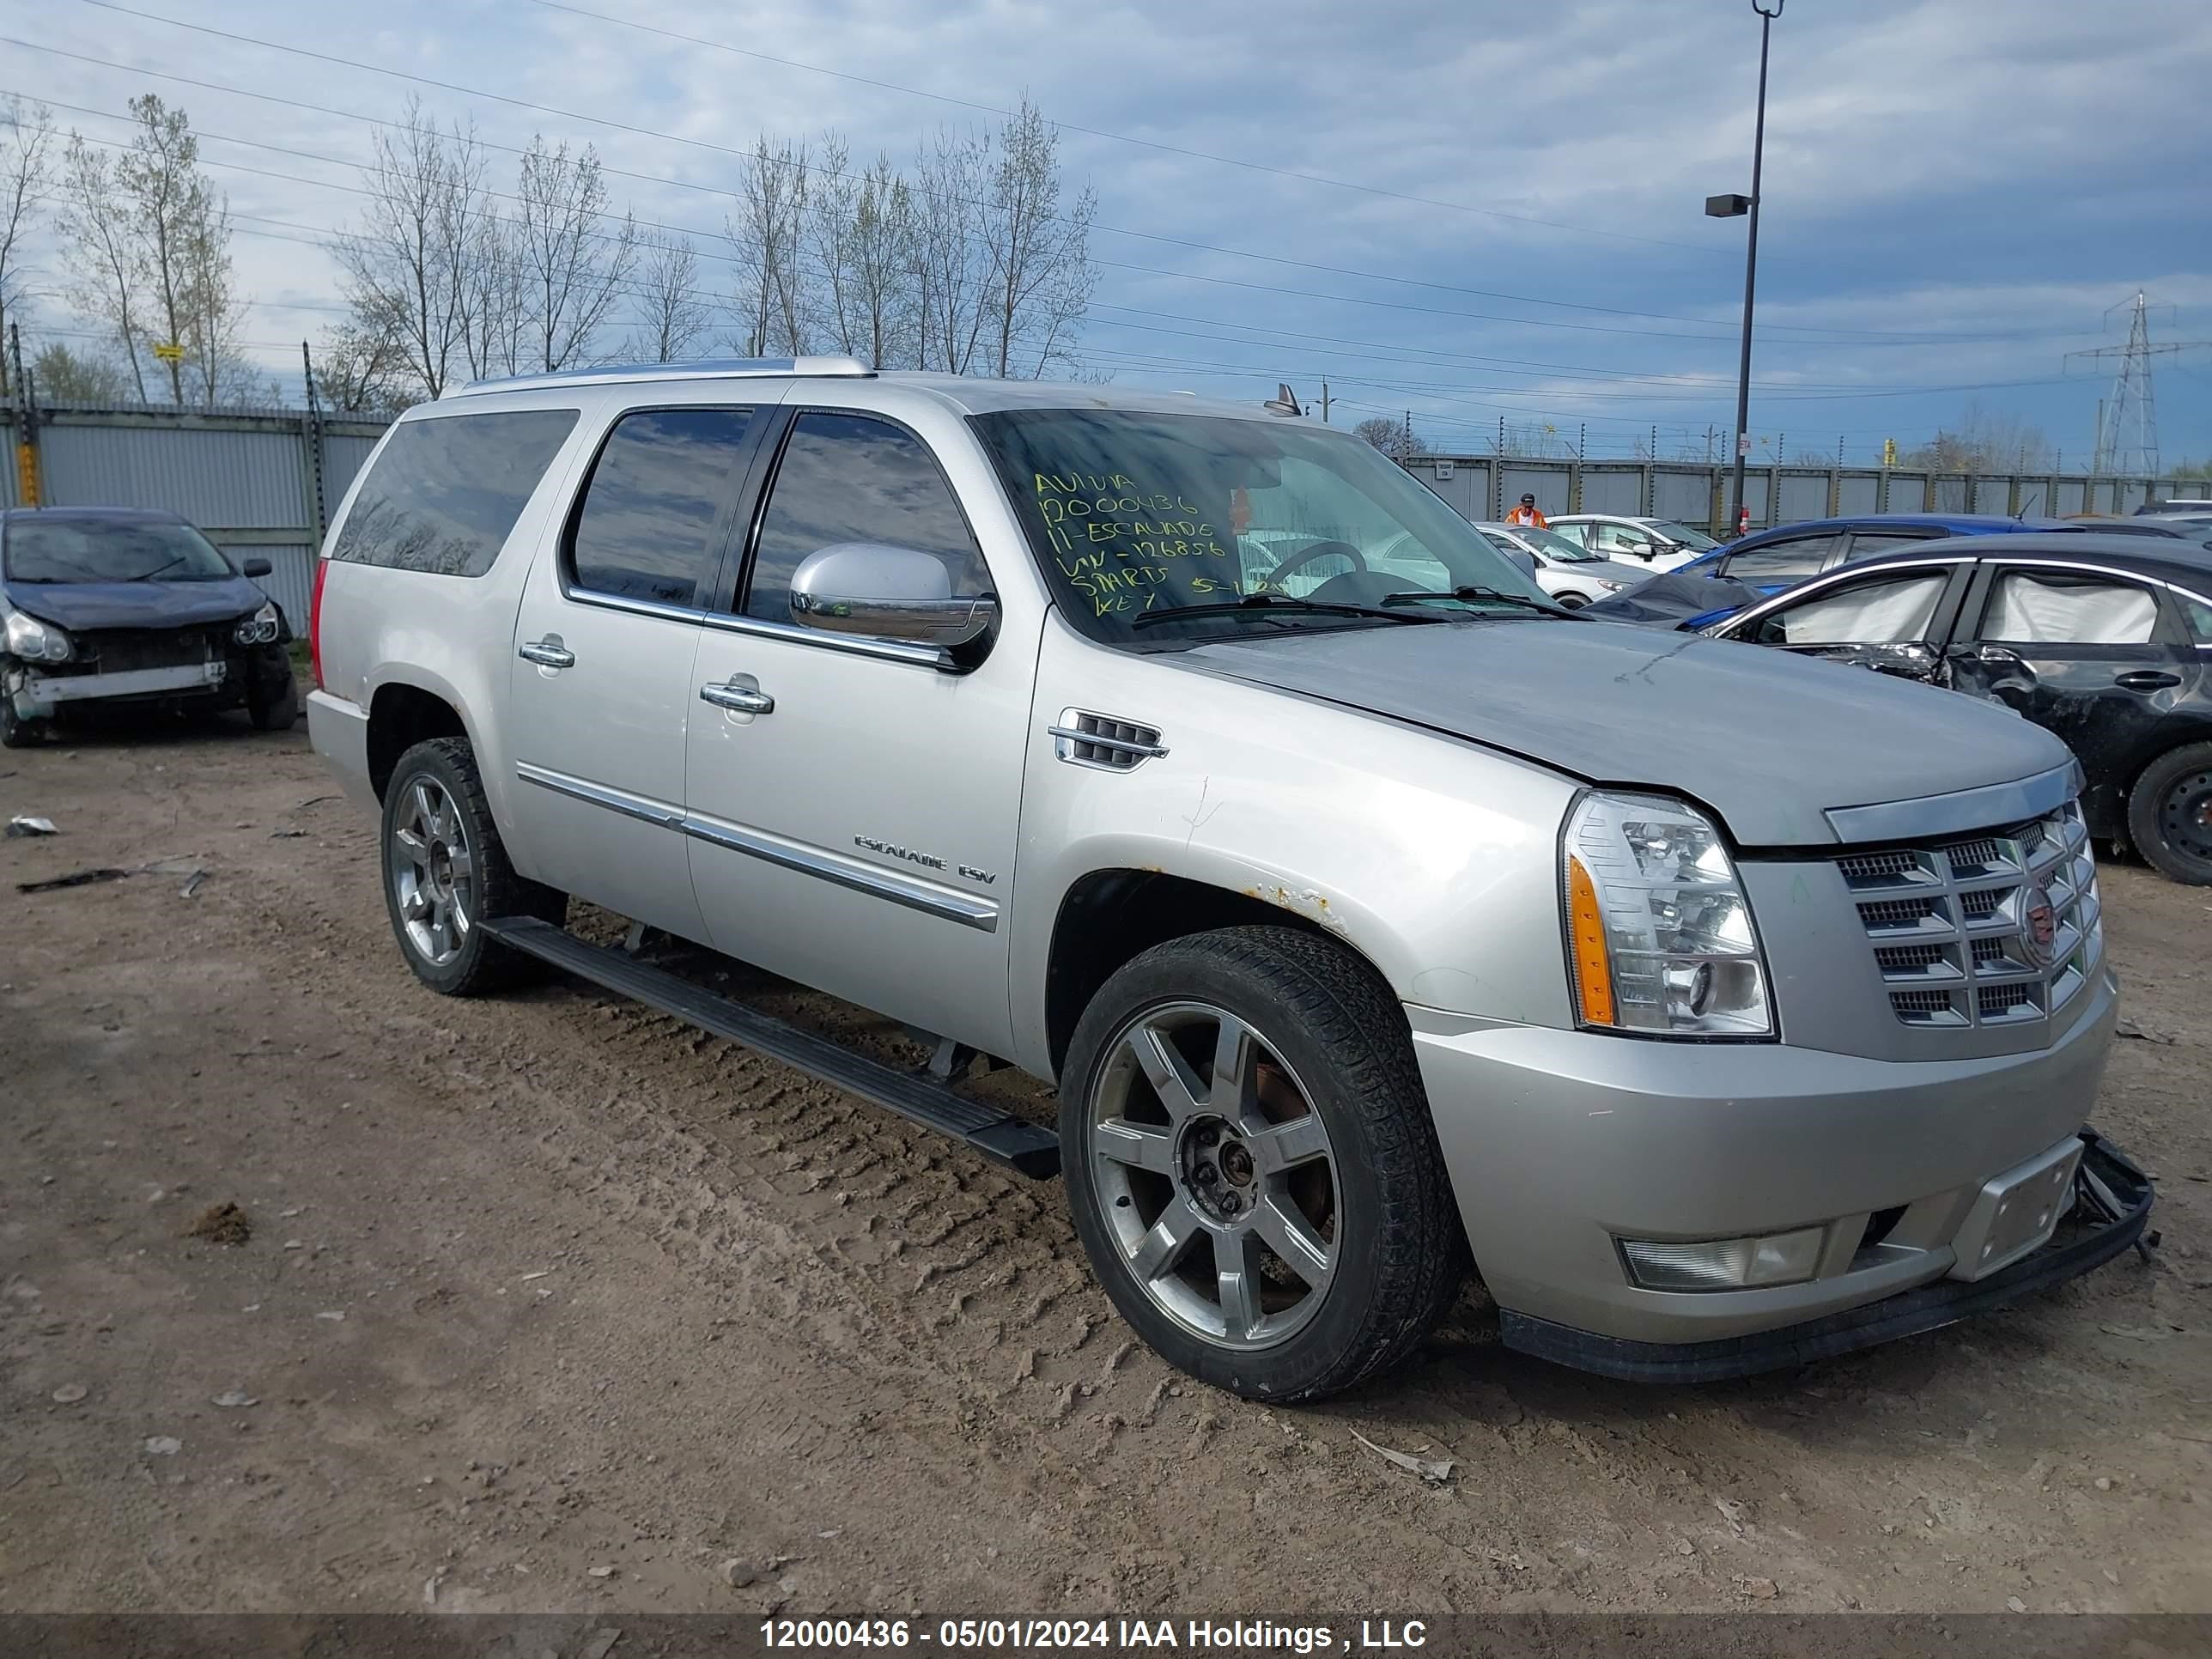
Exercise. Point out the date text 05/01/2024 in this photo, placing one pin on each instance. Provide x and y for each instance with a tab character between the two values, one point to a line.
1118	1634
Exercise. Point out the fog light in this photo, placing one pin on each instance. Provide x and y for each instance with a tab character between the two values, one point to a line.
1724	1264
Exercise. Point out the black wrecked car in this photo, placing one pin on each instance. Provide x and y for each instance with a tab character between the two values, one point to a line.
2106	640
121	605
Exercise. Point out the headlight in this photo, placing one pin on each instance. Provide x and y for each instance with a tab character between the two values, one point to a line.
259	628
37	641
1659	932
1609	585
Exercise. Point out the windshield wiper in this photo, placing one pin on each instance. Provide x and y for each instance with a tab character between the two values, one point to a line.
1267	604
148	575
1478	596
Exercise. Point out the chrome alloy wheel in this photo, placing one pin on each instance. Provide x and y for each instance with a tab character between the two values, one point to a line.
1214	1175
432	872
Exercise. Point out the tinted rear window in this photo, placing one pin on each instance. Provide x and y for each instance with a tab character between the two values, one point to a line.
445	493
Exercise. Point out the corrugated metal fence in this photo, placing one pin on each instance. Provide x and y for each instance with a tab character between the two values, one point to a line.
262	484
1483	487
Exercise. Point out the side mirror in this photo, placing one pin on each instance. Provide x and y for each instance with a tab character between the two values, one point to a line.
1524	558
257	567
887	593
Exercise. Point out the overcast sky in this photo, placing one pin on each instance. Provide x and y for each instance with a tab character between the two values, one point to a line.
1465	209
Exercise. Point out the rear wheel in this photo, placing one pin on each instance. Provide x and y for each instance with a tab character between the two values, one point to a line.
1251	1165
2170	814
445	870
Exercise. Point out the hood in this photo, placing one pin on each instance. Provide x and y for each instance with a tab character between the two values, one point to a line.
77	606
1769	741
1676	598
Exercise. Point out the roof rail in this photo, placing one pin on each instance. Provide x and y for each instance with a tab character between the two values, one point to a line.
709	368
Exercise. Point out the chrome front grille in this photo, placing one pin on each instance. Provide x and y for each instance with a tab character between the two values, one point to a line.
1959	933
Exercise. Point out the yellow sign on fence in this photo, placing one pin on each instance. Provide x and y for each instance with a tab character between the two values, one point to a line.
169	352
26	476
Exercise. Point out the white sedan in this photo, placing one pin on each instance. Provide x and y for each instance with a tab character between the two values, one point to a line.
1573	575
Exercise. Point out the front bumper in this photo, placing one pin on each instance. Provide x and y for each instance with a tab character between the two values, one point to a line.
2112	1208
1561	1143
37	695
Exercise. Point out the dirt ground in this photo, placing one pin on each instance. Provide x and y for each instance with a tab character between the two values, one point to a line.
550	1302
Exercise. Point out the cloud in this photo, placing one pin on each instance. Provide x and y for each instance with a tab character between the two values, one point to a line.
1986	179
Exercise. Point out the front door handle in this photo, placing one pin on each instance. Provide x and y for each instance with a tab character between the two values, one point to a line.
548	653
742	699
1996	655
2146	680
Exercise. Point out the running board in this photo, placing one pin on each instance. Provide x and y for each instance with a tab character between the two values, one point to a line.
1015	1142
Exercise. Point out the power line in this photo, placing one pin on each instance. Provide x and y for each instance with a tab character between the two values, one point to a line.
1885	337
708	252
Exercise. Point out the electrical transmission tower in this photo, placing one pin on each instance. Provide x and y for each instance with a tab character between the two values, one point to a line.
2127	427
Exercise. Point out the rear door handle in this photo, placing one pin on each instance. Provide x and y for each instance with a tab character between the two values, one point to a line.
548	653
743	699
2146	680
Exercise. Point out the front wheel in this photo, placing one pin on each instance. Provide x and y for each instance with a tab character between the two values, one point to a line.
278	711
15	732
1251	1165
2170	814
446	870
1572	601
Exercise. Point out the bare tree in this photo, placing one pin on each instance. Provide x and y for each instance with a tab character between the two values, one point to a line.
358	373
1395	439
1984	440
413	268
767	231
571	271
877	255
26	161
1040	274
673	316
62	376
96	219
213	314
181	232
951	270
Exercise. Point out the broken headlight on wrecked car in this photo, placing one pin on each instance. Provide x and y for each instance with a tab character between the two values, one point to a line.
1659	931
259	628
33	641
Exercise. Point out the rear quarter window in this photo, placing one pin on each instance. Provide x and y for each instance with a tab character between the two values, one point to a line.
445	493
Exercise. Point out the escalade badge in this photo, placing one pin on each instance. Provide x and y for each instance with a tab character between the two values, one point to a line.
2042	930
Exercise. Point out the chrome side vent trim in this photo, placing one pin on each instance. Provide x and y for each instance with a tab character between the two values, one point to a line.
1100	740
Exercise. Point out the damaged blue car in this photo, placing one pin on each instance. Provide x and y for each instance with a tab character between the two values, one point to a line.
106	606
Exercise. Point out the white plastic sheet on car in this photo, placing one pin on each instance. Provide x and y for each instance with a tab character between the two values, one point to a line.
2037	610
1876	613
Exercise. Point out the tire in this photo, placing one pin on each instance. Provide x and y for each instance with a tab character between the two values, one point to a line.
1315	1030
452	873
1572	601
279	712
2170	814
16	732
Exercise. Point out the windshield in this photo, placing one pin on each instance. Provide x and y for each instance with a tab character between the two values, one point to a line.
1696	540
1136	515
1553	545
110	550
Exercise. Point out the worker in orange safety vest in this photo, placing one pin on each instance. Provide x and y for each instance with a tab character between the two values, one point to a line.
1526	513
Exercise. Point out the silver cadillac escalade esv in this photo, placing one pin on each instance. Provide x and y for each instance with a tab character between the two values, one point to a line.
1373	915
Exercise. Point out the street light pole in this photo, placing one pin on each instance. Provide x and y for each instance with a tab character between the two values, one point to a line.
1728	207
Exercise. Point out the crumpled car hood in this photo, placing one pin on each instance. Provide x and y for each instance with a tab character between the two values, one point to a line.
77	605
1769	741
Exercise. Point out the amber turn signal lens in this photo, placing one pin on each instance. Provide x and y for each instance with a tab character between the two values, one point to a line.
1586	932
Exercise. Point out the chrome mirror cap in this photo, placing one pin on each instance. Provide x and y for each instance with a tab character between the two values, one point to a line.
887	592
